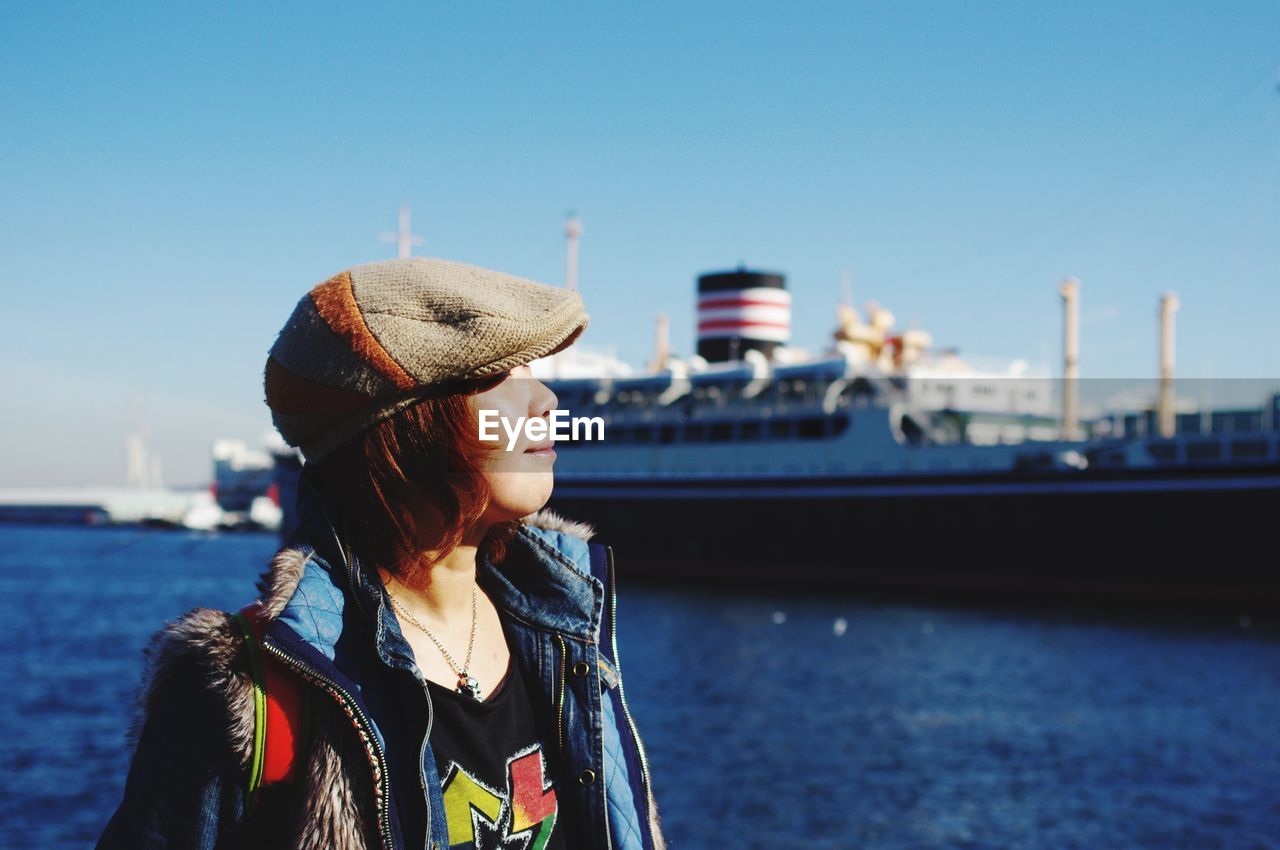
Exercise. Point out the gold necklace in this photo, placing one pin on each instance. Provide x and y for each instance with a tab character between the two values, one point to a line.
466	683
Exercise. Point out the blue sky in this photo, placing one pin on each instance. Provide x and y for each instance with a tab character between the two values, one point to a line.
176	175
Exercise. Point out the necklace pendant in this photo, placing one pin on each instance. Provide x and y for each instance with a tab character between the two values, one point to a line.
468	686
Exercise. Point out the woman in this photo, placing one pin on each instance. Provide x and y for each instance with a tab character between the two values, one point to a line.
443	645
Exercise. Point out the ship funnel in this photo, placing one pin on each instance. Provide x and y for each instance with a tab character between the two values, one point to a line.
741	311
1069	289
1165	415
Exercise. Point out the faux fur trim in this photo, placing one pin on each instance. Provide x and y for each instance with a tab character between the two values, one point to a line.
655	825
339	786
339	783
210	641
278	583
552	521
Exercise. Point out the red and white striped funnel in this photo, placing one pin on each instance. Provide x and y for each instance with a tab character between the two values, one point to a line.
742	310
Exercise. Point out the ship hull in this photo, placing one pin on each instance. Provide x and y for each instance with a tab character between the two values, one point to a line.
1196	535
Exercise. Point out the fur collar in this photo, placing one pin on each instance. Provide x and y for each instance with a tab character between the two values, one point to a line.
552	521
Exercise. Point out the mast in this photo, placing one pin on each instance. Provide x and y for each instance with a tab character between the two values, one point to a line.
661	344
1165	415
1069	289
572	231
404	238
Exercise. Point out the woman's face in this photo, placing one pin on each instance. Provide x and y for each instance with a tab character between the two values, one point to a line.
520	477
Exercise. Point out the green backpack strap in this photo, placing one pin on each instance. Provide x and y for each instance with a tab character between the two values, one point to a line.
259	709
280	711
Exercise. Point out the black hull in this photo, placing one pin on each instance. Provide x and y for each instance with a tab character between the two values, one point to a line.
1206	536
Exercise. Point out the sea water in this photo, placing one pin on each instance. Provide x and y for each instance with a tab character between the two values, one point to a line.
785	721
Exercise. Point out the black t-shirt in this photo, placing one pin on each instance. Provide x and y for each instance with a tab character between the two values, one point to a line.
494	770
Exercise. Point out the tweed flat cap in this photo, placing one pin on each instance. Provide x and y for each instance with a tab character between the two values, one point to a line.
374	339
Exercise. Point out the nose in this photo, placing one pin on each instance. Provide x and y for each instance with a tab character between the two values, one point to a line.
541	400
544	400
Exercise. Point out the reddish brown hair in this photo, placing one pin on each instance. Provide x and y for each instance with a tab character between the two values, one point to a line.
413	482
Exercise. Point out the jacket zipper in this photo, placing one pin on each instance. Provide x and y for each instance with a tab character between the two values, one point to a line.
349	563
428	844
422	759
622	694
564	653
363	725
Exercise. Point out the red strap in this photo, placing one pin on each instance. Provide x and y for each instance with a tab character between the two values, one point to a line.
284	708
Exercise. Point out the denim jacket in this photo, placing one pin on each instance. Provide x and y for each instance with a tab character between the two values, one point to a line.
371	779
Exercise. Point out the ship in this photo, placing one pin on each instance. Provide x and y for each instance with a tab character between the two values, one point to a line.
241	497
883	462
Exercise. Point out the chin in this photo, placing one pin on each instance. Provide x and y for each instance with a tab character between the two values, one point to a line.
518	494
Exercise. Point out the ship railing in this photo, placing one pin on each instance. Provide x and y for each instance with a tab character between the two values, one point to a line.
1243	448
720	431
792	396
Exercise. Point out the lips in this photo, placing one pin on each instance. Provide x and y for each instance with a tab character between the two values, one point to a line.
539	448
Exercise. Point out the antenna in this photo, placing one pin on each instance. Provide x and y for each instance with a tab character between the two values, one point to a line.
1069	289
572	232
404	238
1166	415
139	468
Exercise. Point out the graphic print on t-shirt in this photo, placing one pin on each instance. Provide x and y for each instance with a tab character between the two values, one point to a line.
483	818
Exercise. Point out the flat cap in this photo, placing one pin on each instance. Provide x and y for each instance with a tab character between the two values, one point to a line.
374	339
